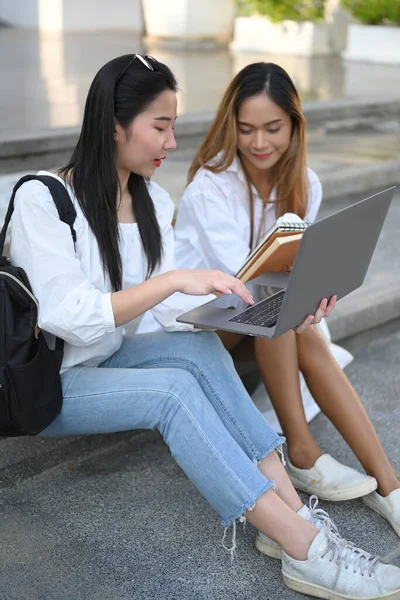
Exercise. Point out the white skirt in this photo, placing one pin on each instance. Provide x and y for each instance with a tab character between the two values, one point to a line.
260	396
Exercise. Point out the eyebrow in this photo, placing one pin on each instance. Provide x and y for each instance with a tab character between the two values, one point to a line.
164	119
265	124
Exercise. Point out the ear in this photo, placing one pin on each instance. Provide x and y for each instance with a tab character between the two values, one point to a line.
117	130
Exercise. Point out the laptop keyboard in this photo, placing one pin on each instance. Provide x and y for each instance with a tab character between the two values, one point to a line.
264	313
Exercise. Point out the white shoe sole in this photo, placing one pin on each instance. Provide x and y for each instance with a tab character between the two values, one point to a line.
269	549
370	502
317	591
335	495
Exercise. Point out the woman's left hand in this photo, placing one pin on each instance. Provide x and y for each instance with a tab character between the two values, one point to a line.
324	310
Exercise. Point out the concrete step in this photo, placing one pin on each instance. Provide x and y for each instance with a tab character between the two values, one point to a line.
34	150
127	524
28	457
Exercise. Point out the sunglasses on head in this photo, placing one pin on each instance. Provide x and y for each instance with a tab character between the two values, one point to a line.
144	62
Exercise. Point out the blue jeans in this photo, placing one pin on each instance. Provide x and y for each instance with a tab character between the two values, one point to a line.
185	385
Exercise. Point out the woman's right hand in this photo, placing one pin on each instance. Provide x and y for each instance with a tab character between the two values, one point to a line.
201	282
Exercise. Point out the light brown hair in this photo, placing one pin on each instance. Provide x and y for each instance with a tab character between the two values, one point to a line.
290	173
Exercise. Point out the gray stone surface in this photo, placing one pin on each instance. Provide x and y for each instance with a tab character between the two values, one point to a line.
32	149
121	521
347	160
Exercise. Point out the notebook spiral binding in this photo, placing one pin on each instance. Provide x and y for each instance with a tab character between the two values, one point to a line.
292	226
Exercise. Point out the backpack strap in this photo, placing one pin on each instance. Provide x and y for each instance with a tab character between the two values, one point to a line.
61	198
66	212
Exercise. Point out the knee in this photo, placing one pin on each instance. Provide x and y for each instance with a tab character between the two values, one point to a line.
206	347
182	391
311	350
181	385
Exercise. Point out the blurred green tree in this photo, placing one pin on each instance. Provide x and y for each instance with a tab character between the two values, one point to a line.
374	12
280	10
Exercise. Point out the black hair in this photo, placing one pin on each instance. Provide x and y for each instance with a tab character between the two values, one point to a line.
121	90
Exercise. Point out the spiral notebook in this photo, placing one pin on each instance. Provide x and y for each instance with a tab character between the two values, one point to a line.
276	250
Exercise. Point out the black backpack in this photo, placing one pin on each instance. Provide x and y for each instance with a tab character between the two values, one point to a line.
30	383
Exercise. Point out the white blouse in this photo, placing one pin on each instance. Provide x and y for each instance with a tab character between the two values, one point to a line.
73	292
212	230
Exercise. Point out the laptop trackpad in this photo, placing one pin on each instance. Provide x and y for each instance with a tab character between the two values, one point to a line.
230	301
233	302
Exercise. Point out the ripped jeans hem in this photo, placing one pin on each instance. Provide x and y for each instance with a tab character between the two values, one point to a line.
276	445
250	503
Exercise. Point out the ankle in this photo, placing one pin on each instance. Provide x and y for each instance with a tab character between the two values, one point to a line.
298	548
385	488
304	458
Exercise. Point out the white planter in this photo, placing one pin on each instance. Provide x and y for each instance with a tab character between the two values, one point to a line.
259	34
189	20
373	43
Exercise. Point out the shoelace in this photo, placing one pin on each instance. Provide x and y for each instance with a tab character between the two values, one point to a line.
320	516
343	552
347	555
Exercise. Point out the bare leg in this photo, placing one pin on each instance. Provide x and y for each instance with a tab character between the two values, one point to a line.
272	468
275	513
230	340
279	367
279	360
337	398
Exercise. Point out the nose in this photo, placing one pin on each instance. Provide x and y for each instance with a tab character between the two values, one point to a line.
170	144
260	140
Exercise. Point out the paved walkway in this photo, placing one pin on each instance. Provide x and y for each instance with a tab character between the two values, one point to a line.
45	78
114	518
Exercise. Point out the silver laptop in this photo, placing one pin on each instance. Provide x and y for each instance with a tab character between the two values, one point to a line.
332	260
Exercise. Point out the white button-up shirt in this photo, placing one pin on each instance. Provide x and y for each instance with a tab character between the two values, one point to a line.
73	292
213	226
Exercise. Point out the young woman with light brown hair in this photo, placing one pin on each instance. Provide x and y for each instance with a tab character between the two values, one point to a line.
249	171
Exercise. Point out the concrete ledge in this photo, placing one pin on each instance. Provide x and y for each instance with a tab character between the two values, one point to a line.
320	113
371	305
55	146
354	180
25	458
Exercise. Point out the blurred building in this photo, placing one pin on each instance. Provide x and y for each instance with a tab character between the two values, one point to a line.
67	15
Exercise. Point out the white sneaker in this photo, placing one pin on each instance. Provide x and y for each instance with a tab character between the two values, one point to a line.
387	506
337	570
310	513
330	480
267	546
